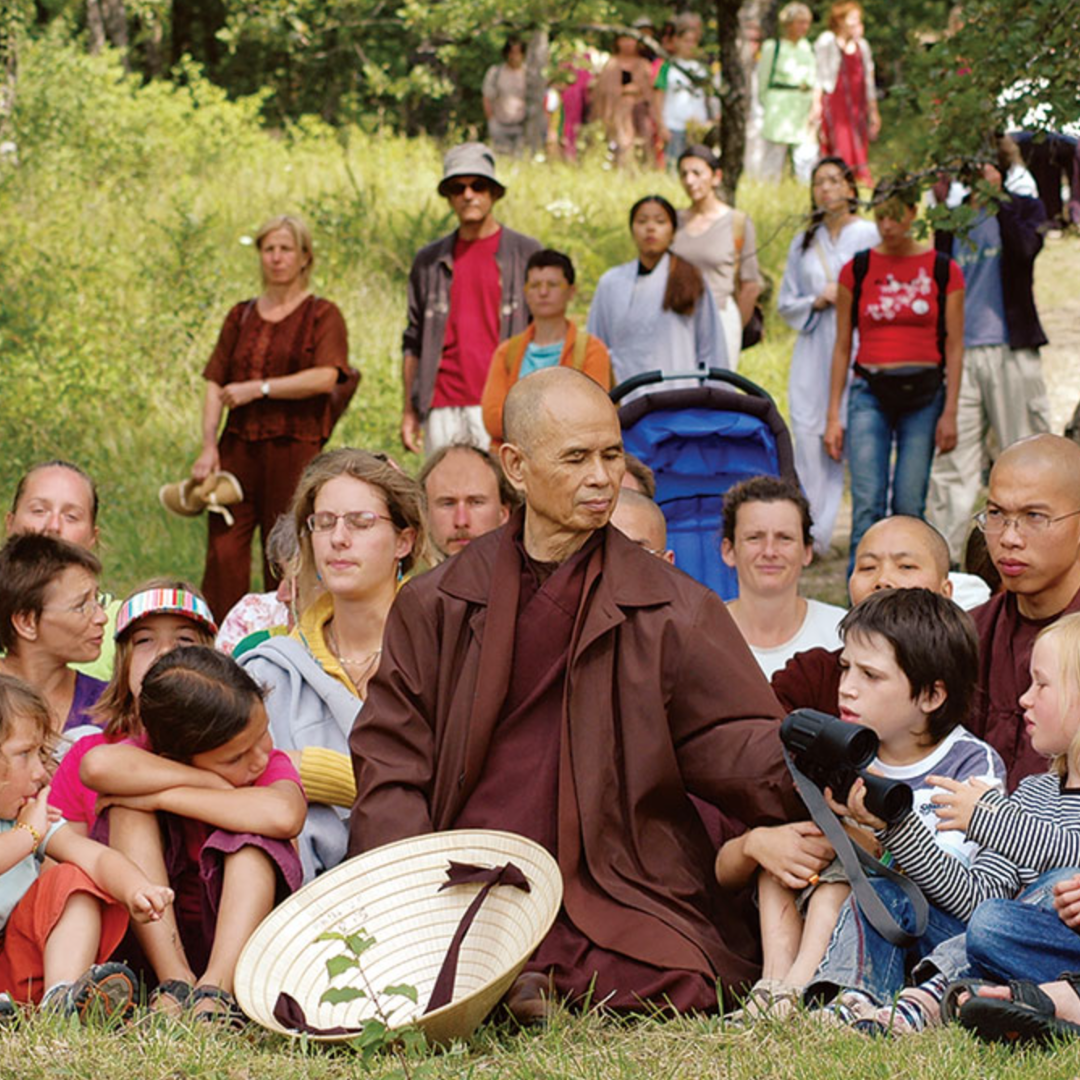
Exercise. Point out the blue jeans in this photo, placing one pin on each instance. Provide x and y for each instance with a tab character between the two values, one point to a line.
871	434
859	958
1023	938
1011	939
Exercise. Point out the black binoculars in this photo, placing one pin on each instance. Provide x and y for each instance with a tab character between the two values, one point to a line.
833	753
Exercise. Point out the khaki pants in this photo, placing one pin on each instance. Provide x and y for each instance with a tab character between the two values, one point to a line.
1002	390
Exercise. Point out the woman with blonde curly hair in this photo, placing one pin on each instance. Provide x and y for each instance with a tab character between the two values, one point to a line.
359	521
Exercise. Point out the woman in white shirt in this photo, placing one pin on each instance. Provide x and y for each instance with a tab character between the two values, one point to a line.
807	303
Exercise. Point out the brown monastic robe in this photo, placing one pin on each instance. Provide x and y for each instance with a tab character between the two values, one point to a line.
660	697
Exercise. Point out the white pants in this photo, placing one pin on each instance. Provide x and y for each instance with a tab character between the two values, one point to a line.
731	323
455	424
1002	390
804	156
822	480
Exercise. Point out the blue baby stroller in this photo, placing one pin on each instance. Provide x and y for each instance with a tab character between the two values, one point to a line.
700	441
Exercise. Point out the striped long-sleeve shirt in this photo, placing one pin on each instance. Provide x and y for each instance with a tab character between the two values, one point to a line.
1022	836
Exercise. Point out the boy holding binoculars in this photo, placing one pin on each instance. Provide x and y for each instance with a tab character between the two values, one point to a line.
909	669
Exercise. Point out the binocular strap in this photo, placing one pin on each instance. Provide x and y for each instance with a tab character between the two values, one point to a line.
853	858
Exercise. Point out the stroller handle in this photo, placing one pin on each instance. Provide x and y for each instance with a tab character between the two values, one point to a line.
647	378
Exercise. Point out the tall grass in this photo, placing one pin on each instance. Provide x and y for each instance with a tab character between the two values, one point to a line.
127	224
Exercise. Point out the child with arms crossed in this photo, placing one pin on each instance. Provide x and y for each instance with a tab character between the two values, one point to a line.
209	807
156	617
909	667
60	925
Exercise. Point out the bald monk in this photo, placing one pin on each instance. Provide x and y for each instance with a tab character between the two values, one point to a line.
895	553
1032	527
639	518
557	681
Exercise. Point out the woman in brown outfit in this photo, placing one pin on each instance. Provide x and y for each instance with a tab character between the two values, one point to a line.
276	361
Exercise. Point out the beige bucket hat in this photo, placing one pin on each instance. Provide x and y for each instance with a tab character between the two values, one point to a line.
399	895
189	498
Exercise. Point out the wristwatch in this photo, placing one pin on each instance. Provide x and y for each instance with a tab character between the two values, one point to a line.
265	388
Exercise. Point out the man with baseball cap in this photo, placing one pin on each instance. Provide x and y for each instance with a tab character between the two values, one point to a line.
466	294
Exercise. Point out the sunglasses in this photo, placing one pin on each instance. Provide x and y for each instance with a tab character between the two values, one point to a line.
480	186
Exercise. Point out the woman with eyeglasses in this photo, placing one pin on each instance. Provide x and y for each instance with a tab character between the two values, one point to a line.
359	521
277	361
52	615
655	312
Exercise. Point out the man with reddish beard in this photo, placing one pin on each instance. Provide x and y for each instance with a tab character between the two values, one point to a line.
466	496
556	680
1032	527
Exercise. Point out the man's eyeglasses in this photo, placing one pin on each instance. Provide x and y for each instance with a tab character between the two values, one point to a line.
480	186
1026	522
355	520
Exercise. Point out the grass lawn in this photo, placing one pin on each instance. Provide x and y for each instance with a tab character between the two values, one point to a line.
585	1047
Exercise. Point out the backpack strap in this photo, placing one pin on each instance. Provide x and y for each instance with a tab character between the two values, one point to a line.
738	234
581	343
515	352
862	264
941	279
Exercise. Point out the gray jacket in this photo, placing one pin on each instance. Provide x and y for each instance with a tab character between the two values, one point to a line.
307	707
429	303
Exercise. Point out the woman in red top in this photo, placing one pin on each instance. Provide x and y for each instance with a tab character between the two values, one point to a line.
277	359
908	362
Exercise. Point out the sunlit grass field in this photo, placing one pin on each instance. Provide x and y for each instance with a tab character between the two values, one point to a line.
128	222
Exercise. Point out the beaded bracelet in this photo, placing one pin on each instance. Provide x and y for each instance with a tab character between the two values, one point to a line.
31	830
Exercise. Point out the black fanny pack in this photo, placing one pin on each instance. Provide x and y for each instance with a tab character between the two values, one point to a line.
904	390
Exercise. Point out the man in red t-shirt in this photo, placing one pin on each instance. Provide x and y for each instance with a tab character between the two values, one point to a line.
466	294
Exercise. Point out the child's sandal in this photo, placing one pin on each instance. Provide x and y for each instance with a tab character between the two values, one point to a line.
171	997
224	1009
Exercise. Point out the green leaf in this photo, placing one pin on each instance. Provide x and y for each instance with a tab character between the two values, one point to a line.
402	990
336	965
339	995
359	943
373	1033
330	935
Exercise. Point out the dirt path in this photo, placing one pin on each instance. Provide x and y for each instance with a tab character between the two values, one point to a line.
1057	293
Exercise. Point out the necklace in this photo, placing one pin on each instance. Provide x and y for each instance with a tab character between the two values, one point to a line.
360	664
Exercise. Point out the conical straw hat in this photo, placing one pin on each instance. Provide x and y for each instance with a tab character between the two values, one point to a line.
393	895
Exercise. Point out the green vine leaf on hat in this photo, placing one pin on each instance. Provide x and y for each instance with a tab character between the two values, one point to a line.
375	1033
402	990
338	995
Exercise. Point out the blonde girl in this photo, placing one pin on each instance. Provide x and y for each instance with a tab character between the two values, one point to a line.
60	924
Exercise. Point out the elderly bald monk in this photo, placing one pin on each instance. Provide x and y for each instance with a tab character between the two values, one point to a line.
1032	527
557	680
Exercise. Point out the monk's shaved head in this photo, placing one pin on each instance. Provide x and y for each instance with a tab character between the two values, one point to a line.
1033	536
1044	460
921	532
533	401
639	518
900	552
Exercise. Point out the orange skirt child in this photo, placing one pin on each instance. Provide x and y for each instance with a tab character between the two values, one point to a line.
60	925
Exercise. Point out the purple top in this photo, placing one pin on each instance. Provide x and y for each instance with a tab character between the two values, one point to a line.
87	691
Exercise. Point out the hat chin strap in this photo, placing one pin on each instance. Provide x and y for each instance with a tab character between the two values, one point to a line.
214	507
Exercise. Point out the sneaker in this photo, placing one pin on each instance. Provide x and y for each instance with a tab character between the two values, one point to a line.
105	992
849	1008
